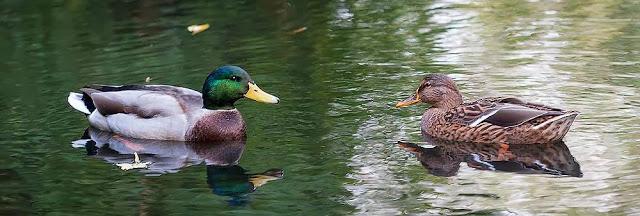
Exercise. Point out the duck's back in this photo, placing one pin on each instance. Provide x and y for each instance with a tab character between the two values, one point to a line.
498	120
139	111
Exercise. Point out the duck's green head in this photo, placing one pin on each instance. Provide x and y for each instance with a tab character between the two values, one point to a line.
227	84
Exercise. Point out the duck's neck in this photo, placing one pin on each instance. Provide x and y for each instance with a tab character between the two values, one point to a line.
214	97
217	104
451	100
437	111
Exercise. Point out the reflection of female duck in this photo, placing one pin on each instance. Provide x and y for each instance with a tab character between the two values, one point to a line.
224	176
444	159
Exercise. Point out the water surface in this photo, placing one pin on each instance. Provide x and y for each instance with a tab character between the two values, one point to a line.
334	133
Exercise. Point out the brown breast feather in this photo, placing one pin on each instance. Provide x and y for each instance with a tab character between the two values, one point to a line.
218	126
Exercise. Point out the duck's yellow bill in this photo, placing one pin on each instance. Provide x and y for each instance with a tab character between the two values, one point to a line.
257	94
410	100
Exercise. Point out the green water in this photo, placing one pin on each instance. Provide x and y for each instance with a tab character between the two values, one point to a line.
334	132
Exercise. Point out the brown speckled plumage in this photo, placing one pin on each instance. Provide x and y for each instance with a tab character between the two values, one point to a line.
488	120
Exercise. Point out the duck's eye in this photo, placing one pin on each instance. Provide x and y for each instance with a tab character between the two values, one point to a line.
235	78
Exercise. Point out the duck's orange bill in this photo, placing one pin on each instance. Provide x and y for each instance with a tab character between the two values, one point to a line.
410	100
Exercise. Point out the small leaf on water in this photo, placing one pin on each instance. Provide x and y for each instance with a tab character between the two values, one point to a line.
195	29
135	165
299	30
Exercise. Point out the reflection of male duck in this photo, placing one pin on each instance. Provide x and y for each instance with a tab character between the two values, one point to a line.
224	176
233	181
444	159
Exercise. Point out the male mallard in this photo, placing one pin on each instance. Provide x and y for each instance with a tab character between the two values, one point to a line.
489	120
165	112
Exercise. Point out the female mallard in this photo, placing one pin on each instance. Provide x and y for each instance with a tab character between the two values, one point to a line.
488	120
165	112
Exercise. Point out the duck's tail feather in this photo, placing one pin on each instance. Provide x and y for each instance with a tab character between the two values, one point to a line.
556	128
81	102
566	118
81	143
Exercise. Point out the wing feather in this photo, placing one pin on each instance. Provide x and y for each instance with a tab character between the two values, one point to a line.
145	101
505	112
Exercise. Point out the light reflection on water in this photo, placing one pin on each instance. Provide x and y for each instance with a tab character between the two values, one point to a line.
540	55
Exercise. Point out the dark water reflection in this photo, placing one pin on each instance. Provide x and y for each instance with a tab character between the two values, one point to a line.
444	158
235	182
224	176
334	131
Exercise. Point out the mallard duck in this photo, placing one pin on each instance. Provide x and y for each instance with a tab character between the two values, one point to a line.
444	159
164	112
500	120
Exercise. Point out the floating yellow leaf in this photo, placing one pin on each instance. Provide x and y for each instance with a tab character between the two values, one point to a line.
135	165
195	29
299	30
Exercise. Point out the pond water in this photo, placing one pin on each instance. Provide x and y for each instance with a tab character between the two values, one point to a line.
330	147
